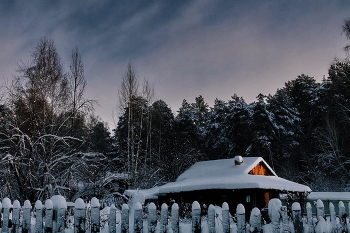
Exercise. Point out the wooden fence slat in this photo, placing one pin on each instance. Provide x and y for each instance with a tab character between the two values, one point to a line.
211	219
125	219
175	218
0	215
342	216
225	218
274	208
59	213
138	222
255	221
297	218
79	216
310	220
240	211
332	217
61	218
6	204
196	217
164	218
39	217
48	216
319	209
112	223
26	217
16	216
152	217
95	215
285	222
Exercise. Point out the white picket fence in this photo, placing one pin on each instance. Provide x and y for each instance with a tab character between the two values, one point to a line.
55	216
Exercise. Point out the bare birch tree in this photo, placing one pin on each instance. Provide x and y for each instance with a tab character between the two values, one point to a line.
148	93
346	31
129	90
38	152
134	104
80	106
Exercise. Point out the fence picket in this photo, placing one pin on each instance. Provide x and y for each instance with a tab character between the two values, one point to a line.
211	219
138	223
320	209
310	220
255	221
152	218
49	216
240	211
61	216
95	215
39	217
274	214
112	219
175	218
342	216
297	218
196	217
26	217
125	219
164	218
285	222
79	216
0	214
16	216
277	212
225	218
6	204
332	217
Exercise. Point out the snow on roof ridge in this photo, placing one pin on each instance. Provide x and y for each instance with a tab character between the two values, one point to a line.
224	174
248	164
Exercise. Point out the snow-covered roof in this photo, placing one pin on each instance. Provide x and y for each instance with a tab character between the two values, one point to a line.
224	174
151	193
331	196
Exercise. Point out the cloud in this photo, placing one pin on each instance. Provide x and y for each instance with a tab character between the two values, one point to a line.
186	49
248	53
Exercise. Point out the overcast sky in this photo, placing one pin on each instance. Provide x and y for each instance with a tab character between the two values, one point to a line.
184	48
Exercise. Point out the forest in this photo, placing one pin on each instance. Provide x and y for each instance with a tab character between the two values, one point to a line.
52	143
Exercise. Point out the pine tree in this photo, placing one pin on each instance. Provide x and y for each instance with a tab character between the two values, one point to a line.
263	128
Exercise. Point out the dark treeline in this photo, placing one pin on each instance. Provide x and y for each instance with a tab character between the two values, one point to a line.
51	142
302	131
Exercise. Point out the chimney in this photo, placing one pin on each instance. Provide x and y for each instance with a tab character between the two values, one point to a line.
238	160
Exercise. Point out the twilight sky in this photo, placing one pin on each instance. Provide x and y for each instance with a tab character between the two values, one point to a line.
184	48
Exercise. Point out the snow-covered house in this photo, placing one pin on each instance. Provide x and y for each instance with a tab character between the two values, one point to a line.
249	180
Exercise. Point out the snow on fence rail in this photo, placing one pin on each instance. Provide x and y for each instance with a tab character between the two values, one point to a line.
54	216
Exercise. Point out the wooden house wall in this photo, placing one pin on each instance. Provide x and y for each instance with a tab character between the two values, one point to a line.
260	169
257	197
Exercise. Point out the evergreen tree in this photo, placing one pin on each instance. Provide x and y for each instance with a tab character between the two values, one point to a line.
99	139
217	142
229	129
287	132
303	92
241	119
191	121
263	128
